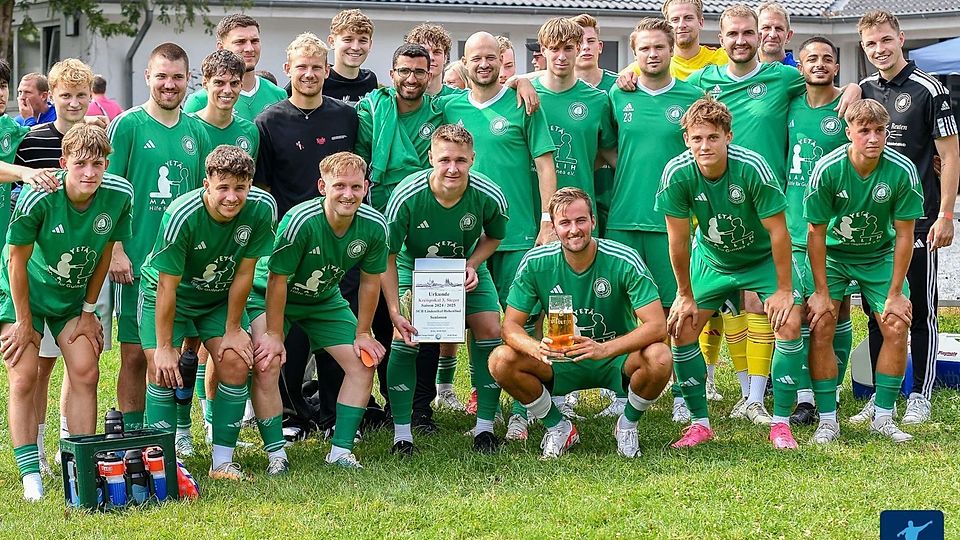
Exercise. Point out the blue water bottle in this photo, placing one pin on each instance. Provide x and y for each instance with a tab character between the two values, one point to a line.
188	374
112	469
157	472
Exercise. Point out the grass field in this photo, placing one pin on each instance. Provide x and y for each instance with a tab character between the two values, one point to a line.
735	487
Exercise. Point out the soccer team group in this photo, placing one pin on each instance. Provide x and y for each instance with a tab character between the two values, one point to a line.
703	193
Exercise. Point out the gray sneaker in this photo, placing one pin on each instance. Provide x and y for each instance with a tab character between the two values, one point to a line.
866	413
757	413
681	414
737	410
827	432
517	428
712	393
918	410
346	461
628	444
888	429
184	444
278	466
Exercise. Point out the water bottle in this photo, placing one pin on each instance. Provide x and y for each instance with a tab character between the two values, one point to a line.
113	424
157	472
188	373
111	469
71	467
137	477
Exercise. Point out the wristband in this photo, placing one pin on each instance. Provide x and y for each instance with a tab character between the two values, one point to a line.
89	308
545	216
948	215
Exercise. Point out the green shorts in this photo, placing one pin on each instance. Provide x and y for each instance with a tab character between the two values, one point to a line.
872	279
207	324
8	314
326	324
482	298
802	262
125	300
603	191
503	267
587	374
712	287
654	250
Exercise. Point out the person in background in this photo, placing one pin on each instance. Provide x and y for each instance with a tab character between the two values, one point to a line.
101	105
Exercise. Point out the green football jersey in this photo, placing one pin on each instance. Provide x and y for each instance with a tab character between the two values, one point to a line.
603	177
67	243
605	296
240	133
608	81
248	106
205	253
506	141
728	209
162	164
580	123
649	135
11	133
395	145
758	103
447	90
420	227
812	133
859	212
315	259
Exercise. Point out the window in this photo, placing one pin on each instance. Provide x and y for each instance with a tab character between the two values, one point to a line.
35	51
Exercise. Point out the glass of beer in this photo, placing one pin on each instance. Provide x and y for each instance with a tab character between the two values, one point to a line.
560	321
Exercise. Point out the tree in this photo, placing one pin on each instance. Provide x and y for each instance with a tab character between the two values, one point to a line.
182	13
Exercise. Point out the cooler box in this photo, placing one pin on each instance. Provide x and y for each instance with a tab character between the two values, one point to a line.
947	367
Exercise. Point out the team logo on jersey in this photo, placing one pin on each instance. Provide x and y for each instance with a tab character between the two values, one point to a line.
902	103
589	323
499	125
736	194
859	228
805	153
426	131
243	143
356	248
757	91
881	192
320	280
242	236
216	276
601	287
674	113
727	233
468	222
563	158
102	224
170	176
445	249
74	267
6	142
578	110
189	145
831	125
716	91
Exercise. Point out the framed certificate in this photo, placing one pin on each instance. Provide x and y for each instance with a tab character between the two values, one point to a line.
439	300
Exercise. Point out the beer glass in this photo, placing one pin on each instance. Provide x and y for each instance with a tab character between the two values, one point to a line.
560	321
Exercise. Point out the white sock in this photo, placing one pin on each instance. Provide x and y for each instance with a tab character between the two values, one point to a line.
758	386
677	401
282	453
879	414
705	422
639	403
443	387
780	420
539	407
744	379
203	408
401	432
626	424
482	425
185	431
248	413
838	394
805	396
32	487
710	370
64	430
221	455
831	416
40	430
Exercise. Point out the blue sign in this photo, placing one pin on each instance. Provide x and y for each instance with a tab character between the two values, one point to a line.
911	525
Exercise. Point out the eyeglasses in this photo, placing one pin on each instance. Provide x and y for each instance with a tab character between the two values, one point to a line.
406	72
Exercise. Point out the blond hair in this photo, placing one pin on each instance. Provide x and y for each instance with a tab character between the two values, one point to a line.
775	7
651	24
351	20
229	159
86	140
739	11
559	31
307	44
341	164
585	20
72	72
564	197
430	33
698	4
707	110
504	43
877	17
866	112
453	133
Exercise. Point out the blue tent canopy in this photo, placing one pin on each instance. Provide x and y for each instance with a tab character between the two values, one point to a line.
940	58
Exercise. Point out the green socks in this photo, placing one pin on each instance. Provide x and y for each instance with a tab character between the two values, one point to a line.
544	409
691	371
161	408
271	431
488	391
133	420
401	380
27	458
789	373
348	422
888	387
228	409
446	369
825	394
199	388
518	409
842	343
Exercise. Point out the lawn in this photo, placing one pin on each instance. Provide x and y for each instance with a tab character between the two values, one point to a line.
735	487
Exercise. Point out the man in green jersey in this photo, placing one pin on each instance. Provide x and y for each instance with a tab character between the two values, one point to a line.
447	212
317	242
240	34
222	71
611	290
861	203
54	264
509	143
436	40
813	129
161	152
652	113
195	283
11	133
742	243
